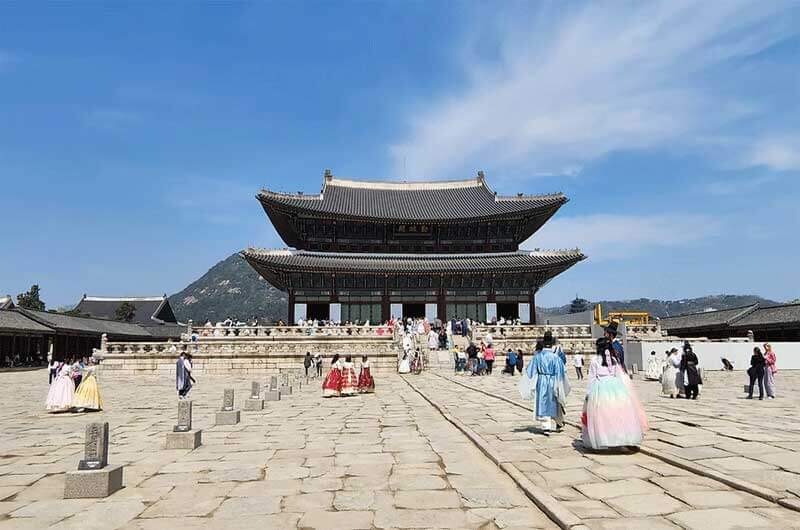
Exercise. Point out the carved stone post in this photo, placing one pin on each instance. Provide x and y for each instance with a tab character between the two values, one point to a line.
94	478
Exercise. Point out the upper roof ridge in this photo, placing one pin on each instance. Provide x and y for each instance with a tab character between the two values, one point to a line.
124	298
405	185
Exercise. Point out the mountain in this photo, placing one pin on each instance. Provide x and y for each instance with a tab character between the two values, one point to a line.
232	289
665	308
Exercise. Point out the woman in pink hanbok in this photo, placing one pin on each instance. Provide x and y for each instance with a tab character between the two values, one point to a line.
62	391
770	370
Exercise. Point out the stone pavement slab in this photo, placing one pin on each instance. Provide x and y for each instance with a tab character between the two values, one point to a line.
387	459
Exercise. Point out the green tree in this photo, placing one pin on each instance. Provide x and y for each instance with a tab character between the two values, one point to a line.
125	312
31	300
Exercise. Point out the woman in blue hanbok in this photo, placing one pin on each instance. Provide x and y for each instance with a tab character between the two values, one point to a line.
545	381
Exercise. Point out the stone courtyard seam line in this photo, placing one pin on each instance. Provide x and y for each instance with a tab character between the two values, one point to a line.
564	518
687	465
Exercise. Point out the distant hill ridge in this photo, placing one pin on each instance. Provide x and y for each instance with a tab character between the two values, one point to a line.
232	289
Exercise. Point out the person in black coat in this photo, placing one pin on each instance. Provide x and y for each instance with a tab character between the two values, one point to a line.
756	373
692	378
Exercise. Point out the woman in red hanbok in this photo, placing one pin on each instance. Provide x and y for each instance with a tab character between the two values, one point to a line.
332	385
366	383
349	385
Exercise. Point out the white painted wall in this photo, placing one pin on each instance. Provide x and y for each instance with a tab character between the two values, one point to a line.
396	310
336	312
710	353
430	312
525	313
491	312
299	312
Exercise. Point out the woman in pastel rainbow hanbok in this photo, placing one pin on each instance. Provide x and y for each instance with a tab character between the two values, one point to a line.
59	398
87	397
612	414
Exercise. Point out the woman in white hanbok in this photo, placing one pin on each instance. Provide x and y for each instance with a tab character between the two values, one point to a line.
671	378
405	365
655	367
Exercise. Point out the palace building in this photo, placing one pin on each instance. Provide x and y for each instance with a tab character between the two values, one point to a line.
372	250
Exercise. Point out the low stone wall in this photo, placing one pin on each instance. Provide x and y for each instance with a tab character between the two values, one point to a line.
569	345
244	355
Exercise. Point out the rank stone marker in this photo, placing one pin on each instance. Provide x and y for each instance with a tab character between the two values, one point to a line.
96	447
182	435
227	416
273	394
254	402
285	387
94	478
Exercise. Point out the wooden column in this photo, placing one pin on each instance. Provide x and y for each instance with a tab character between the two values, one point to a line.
533	307
441	301
291	307
386	307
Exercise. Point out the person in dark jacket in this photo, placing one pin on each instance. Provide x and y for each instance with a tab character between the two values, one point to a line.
520	361
691	378
756	373
307	362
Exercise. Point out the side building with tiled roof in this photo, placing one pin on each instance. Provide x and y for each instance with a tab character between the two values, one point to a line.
29	337
367	251
767	323
152	312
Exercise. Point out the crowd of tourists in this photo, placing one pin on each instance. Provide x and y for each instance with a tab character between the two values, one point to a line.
27	360
342	381
73	386
681	375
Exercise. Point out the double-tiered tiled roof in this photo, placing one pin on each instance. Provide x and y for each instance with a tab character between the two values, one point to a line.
432	202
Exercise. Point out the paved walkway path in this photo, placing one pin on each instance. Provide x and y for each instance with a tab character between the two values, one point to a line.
387	460
614	486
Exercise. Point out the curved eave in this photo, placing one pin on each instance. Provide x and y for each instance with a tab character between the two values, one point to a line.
306	206
281	208
273	264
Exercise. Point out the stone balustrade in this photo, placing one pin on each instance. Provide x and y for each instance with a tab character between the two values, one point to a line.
644	331
284	332
527	331
243	354
573	338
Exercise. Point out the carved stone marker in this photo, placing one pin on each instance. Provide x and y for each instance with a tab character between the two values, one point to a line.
227	416
184	416
254	402
95	452
182	435
94	478
227	399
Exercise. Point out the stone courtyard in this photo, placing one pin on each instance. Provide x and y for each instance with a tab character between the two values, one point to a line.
429	451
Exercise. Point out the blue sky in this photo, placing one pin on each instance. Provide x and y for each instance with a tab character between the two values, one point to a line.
133	138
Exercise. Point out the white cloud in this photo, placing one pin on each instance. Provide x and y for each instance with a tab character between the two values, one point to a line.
777	153
569	88
610	236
